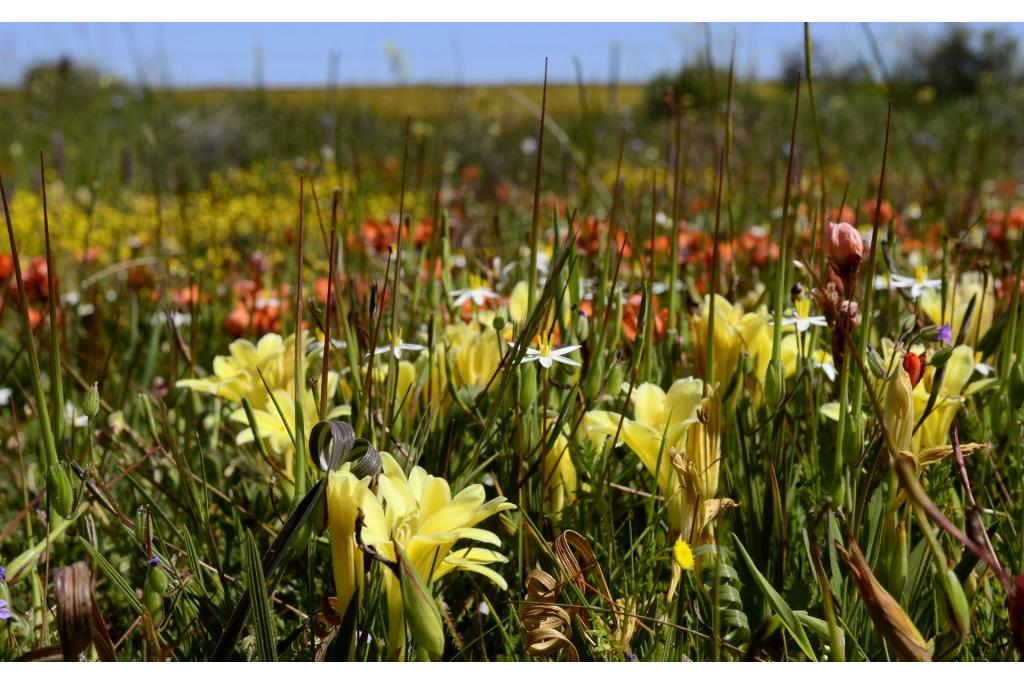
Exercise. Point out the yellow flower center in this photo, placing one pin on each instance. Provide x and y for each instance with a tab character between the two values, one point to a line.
544	346
683	555
921	272
475	282
803	307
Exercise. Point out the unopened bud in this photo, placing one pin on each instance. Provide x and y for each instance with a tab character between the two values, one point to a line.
875	363
421	613
91	403
843	245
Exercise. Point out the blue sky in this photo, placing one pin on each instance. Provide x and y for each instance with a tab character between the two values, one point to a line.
299	54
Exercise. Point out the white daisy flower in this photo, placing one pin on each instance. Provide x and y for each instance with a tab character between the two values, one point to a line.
5	396
547	356
476	292
397	347
918	284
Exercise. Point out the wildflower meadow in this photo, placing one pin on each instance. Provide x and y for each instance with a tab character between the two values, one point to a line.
706	368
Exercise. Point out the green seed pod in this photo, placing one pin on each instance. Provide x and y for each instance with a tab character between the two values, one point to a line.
592	386
140	525
582	327
1016	384
154	603
875	363
959	609
58	486
939	359
498	324
615	379
527	386
421	613
156	580
898	562
91	403
774	383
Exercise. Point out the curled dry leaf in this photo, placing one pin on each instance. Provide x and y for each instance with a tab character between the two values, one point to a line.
79	622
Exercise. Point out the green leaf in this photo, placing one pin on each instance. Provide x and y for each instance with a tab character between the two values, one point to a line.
263	616
113	576
789	619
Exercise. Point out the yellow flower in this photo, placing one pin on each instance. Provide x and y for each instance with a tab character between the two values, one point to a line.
664	426
683	554
736	332
276	422
426	522
957	300
818	358
899	409
347	495
934	430
237	375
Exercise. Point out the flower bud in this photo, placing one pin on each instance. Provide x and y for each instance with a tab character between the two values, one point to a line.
939	359
592	385
156	580
914	366
91	404
875	363
421	613
843	245
58	486
773	383
582	327
900	556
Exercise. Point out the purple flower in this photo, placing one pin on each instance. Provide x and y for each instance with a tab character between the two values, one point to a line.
3	574
155	561
946	333
5	613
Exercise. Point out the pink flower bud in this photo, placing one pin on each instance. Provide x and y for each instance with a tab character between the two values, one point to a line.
843	245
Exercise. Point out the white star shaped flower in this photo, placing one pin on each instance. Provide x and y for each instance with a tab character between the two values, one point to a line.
916	285
802	316
397	347
547	356
476	292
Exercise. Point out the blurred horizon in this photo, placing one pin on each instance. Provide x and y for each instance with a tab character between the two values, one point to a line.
193	56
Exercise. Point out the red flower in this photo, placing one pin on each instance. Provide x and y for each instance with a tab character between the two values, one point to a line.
914	366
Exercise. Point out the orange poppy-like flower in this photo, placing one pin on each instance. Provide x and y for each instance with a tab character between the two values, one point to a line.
379	235
631	315
35	317
184	298
470	173
423	232
885	215
237	322
37	287
6	266
320	289
140	277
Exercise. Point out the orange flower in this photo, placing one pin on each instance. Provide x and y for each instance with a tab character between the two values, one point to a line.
631	314
6	266
237	322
